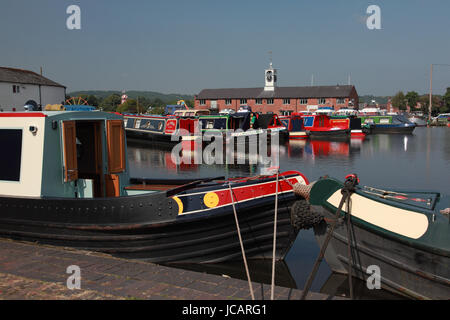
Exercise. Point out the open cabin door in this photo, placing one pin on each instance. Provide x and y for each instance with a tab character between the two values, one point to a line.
70	151
116	156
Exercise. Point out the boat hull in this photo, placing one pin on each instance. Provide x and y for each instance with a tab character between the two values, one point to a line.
329	134
405	270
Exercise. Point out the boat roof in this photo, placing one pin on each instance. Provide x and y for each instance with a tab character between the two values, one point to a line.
60	114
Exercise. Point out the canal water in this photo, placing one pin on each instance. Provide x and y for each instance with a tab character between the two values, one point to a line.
420	161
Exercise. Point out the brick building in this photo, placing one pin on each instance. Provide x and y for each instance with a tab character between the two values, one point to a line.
272	98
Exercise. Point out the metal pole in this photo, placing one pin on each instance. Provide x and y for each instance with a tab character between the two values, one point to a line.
431	90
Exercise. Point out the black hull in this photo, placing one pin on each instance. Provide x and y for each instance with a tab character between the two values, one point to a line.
148	227
151	137
330	135
405	270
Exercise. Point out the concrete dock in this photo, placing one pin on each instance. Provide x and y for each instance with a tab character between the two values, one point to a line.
32	271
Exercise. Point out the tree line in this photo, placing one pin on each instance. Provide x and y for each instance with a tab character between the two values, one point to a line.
139	104
440	103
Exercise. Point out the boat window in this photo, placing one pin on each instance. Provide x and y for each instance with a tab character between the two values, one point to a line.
152	124
10	161
217	123
130	123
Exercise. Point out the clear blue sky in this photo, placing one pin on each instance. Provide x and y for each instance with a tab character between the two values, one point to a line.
184	46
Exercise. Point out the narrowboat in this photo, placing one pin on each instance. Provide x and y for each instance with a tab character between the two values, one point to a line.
64	181
320	126
388	124
151	128
242	127
352	123
294	125
399	232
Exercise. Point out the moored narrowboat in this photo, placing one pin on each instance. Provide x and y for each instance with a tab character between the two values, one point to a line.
65	181
294	125
152	128
320	126
398	232
388	124
349	122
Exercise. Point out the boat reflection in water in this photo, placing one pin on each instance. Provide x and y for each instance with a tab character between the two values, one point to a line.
309	149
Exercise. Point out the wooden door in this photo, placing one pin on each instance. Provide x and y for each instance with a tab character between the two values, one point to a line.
70	151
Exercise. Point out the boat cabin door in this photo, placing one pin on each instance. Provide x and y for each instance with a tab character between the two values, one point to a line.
84	155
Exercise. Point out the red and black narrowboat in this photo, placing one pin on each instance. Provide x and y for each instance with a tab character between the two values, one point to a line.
320	126
294	125
64	181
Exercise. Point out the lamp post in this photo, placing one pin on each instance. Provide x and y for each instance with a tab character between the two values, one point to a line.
431	87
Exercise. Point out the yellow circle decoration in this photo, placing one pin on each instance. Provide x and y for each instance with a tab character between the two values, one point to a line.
180	204
211	199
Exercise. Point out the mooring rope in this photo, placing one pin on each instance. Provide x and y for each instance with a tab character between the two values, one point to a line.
241	243
349	250
347	190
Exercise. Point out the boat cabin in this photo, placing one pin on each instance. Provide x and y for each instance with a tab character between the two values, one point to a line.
151	123
63	154
316	121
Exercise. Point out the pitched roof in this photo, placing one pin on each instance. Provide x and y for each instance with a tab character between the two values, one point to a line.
26	77
337	91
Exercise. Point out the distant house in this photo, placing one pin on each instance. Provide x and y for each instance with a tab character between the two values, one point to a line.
272	98
19	87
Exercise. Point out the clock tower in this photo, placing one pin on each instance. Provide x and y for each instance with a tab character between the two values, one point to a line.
270	78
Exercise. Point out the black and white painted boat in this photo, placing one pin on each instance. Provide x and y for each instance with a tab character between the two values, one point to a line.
398	232
64	181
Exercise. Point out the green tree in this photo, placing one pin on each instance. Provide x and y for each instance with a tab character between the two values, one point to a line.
446	102
398	101
92	101
110	103
413	98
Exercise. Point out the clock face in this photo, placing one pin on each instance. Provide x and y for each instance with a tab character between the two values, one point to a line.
269	76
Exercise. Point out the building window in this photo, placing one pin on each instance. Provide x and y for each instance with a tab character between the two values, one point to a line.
258	101
270	101
202	102
286	101
303	101
228	102
340	101
16	89
322	101
243	101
